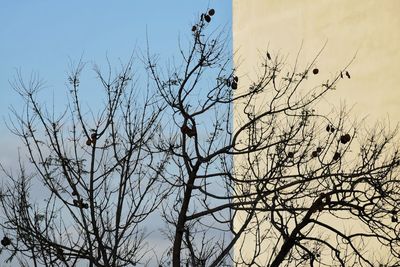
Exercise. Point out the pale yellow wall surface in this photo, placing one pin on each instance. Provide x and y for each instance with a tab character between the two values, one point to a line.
370	29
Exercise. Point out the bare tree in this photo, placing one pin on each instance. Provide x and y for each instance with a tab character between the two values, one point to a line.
273	175
244	175
98	168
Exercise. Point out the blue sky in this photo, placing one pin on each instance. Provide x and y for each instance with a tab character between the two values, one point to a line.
43	36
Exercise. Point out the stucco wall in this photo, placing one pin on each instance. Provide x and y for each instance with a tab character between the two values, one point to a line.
368	30
363	32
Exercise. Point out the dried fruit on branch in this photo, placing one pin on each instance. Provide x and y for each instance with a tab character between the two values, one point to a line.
234	85
6	241
336	156
344	139
188	131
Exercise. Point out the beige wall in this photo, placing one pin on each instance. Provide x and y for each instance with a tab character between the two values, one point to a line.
368	30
